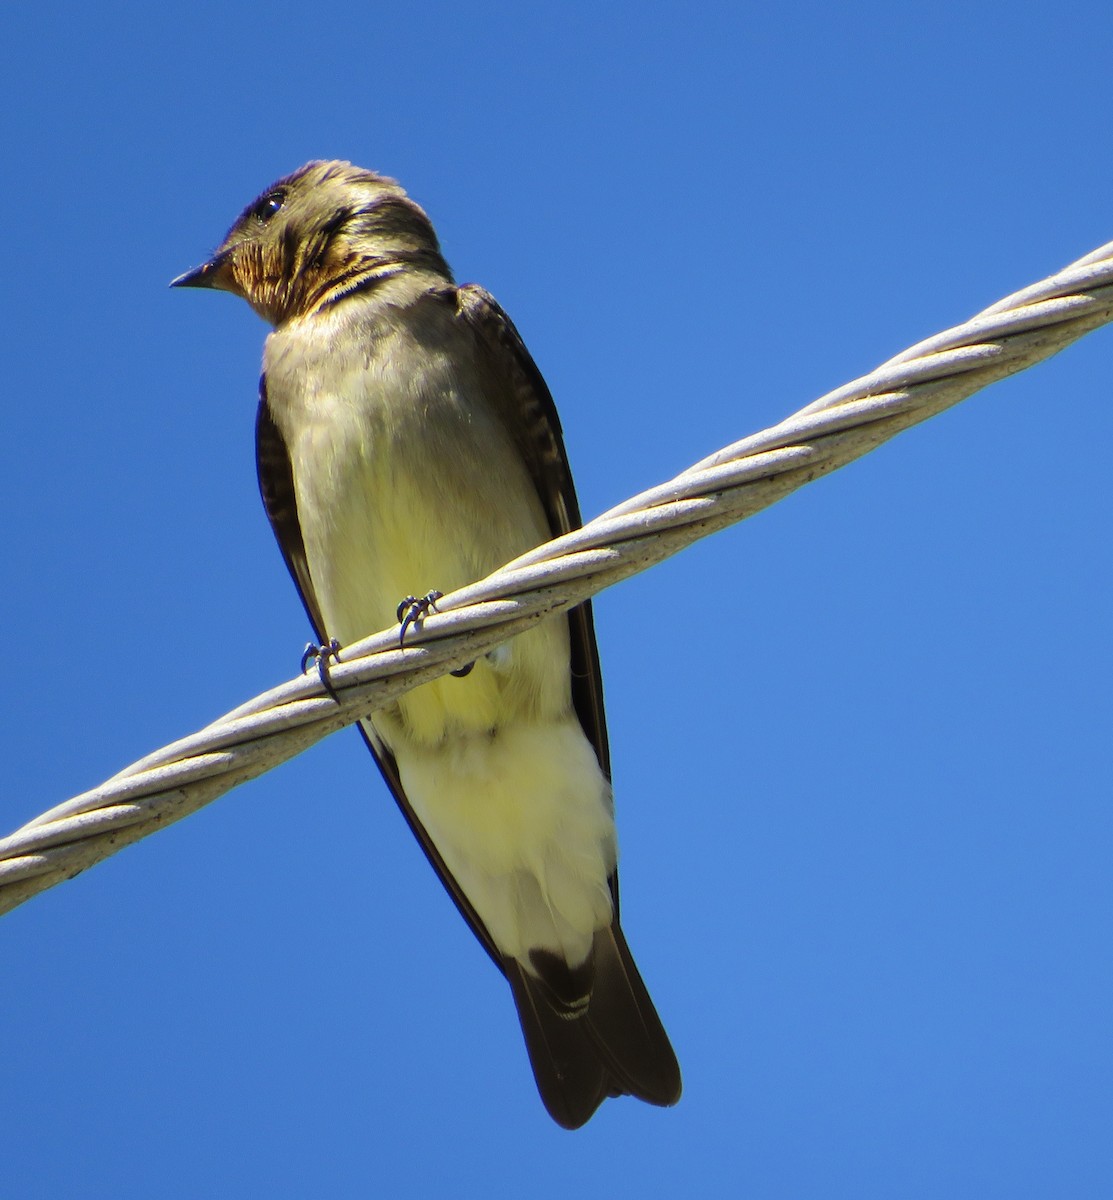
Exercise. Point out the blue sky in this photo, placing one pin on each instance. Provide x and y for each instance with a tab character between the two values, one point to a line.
861	742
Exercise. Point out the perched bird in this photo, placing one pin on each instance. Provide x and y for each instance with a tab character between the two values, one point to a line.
405	441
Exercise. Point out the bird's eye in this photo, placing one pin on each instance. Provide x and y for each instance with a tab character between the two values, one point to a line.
268	206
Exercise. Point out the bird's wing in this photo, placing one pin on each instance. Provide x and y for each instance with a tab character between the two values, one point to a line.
276	486
619	1045
520	396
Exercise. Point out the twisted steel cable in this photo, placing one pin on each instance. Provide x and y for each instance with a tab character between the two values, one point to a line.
736	482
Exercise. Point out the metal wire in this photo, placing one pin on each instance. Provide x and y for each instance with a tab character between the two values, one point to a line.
736	482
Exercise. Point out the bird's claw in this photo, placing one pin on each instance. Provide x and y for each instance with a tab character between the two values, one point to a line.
321	655
413	608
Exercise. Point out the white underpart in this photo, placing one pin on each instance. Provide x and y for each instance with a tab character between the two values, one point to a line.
522	822
406	482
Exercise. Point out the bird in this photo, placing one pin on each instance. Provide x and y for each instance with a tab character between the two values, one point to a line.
406	443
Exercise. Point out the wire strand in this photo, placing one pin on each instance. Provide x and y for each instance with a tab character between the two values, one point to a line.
728	486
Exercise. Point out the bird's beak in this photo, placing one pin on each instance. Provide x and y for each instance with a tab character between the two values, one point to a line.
216	273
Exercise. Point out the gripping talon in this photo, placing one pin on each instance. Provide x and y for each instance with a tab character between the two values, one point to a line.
321	655
412	609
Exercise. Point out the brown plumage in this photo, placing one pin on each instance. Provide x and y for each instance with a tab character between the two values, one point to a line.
385	380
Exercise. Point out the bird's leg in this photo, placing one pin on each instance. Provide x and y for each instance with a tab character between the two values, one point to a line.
412	609
321	655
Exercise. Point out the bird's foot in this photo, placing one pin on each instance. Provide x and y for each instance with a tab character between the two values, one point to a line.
321	655
412	609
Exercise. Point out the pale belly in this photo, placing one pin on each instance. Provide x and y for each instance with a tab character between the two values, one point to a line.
495	765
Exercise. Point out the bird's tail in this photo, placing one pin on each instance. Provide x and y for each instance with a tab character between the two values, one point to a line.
613	1045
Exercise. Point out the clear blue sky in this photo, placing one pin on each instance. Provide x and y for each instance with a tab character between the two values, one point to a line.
861	742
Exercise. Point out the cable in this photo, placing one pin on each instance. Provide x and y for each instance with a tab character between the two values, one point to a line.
738	481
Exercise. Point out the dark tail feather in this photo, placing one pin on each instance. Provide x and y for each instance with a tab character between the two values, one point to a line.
616	1047
570	1075
625	1026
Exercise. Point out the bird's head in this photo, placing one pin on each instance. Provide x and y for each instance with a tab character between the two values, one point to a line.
314	237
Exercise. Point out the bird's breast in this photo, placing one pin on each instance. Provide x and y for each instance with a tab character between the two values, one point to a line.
405	482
